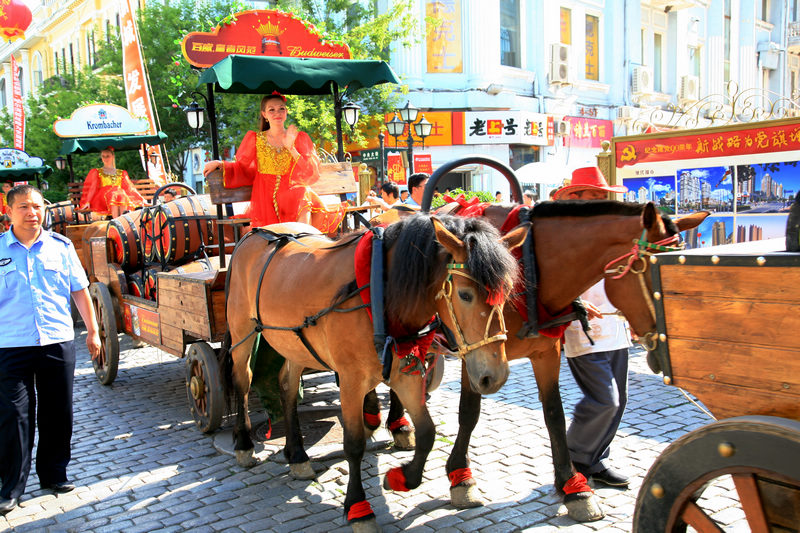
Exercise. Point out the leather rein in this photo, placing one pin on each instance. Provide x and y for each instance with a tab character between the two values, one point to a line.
642	249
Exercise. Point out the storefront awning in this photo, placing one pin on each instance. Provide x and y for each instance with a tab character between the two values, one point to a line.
18	174
86	145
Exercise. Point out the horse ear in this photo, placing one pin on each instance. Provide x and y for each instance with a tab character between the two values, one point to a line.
451	243
650	218
691	221
516	236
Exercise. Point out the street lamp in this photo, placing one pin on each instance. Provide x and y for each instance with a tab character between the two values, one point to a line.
408	117
195	116
350	112
396	128
61	163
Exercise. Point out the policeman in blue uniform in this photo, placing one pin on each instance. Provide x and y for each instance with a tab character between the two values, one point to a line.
39	272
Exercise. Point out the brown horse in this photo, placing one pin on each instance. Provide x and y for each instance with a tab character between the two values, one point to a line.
301	293
576	244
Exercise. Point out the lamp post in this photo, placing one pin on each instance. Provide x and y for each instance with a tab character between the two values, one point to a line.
195	115
61	163
408	117
382	159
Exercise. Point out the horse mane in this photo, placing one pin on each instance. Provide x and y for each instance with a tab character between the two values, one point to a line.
591	208
419	261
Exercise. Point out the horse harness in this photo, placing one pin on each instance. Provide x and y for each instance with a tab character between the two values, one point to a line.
642	248
381	339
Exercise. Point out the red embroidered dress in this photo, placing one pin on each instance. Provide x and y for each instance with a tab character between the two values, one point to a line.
281	185
101	191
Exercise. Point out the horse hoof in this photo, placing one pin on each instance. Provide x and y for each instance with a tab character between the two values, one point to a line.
302	470
246	458
465	496
404	440
365	526
584	509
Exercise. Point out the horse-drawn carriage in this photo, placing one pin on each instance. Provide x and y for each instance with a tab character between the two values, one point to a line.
727	333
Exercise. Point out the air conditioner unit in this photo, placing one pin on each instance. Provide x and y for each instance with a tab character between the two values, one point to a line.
689	89
642	80
559	63
626	112
561	127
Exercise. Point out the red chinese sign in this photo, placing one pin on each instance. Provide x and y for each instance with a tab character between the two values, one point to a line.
19	111
260	33
395	170
589	132
423	163
751	140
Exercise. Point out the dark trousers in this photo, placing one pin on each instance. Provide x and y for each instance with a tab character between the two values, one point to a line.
28	374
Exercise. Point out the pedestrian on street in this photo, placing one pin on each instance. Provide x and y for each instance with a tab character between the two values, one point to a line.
528	198
416	187
600	370
390	196
39	272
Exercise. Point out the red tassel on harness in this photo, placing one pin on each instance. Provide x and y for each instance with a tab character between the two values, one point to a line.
397	479
495	297
459	476
577	483
359	510
372	420
397	424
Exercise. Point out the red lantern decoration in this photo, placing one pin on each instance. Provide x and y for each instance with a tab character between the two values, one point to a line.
15	17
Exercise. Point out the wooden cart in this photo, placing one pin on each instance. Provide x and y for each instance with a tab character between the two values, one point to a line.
728	328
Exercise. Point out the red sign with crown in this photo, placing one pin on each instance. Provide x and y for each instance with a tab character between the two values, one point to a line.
260	33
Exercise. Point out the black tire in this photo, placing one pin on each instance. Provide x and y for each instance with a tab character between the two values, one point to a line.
759	453
204	386
107	363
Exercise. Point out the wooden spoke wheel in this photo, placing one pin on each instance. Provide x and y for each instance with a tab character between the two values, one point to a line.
107	363
759	453
204	386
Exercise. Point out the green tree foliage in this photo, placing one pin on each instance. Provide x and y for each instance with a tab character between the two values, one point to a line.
162	27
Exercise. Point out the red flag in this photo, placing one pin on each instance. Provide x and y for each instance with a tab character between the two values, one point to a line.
136	88
19	111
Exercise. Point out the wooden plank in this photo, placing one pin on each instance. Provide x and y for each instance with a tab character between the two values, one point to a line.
726	401
335	178
100	253
218	318
220	195
172	338
778	368
184	284
778	284
763	323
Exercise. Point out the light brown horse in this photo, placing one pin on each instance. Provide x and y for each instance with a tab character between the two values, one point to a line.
576	244
301	294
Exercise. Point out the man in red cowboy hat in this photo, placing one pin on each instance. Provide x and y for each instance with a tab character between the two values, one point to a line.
601	370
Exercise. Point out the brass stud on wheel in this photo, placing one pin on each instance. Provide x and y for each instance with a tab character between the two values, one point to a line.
657	491
726	449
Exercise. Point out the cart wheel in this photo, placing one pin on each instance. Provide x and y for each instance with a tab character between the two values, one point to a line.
435	365
759	453
106	364
204	386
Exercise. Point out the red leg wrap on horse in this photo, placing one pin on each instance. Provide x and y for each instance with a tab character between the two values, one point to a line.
397	479
400	422
458	476
372	420
359	510
577	483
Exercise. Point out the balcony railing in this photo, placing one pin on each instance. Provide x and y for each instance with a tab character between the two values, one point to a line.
793	37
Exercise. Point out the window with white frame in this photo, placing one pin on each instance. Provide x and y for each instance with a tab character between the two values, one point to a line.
762	10
3	99
38	74
592	68
510	33
658	61
20	79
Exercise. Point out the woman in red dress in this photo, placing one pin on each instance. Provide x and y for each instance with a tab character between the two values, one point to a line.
109	190
281	164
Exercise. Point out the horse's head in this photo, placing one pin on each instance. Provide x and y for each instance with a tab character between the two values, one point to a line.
461	269
627	284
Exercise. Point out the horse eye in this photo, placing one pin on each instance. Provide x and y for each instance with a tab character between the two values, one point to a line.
465	296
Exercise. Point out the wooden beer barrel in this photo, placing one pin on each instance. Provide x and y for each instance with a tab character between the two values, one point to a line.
151	283
175	231
62	214
135	284
123	232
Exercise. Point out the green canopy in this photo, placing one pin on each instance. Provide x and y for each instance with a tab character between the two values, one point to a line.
292	75
86	145
14	174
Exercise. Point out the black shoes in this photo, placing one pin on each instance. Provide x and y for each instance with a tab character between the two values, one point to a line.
60	488
608	477
7	505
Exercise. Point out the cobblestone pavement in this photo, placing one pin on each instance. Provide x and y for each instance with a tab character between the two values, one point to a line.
141	465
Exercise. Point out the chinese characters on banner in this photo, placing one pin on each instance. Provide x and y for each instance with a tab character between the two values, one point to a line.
508	127
423	163
136	89
19	111
444	38
781	138
395	170
589	132
592	48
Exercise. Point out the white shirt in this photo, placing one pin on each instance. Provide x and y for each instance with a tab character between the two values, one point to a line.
609	332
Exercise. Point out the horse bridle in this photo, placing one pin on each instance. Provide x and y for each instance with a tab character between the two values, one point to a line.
446	292
643	248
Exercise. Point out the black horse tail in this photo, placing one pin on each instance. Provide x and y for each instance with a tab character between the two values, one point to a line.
225	360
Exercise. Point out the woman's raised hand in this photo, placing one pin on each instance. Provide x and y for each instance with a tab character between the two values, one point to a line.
211	166
290	136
